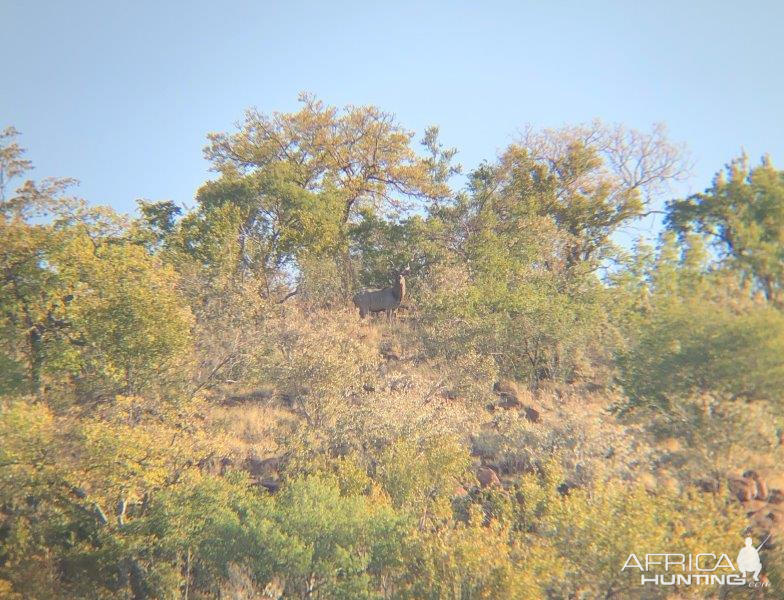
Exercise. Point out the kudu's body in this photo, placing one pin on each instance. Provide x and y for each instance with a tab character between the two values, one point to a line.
384	300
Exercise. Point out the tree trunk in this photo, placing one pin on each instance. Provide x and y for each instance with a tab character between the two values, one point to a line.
35	341
187	573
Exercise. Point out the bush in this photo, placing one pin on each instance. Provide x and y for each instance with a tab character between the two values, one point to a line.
698	347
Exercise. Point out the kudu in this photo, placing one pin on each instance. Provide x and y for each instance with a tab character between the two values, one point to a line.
384	300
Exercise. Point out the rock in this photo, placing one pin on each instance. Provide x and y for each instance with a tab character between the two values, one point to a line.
753	507
762	489
509	394
225	464
776	497
567	487
214	465
707	485
532	414
510	399
509	402
487	477
507	390
449	394
400	384
272	485
744	488
262	468
251	396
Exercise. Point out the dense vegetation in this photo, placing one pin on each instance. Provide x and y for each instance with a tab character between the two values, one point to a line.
191	407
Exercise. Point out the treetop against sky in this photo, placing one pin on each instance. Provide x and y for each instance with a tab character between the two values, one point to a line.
122	97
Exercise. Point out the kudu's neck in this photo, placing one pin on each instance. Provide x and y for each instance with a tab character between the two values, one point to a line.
399	288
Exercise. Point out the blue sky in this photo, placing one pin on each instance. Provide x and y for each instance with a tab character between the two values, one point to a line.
121	94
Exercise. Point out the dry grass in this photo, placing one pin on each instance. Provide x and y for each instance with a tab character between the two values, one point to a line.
410	395
252	429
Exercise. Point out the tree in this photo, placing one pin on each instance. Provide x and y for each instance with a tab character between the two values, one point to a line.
158	219
136	328
594	533
76	303
357	538
700	333
79	298
421	477
590	180
177	421
523	245
298	180
12	164
471	559
696	347
261	223
79	484
34	297
360	151
503	288
742	216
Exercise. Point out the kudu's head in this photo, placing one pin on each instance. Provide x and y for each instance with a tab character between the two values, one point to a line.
399	275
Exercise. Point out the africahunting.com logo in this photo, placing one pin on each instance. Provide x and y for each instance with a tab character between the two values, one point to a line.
700	569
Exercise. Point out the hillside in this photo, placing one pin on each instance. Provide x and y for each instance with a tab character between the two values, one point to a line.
191	404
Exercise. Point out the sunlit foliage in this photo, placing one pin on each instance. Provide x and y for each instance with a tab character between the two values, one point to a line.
191	408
